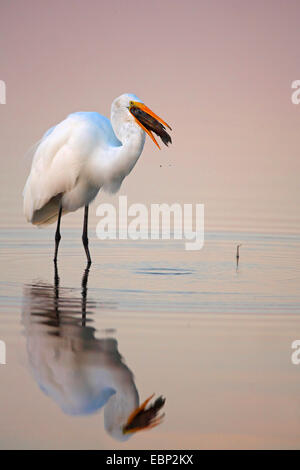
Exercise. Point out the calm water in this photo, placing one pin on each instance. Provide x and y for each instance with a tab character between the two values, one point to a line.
86	347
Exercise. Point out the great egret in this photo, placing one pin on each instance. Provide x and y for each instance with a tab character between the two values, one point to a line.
81	372
84	153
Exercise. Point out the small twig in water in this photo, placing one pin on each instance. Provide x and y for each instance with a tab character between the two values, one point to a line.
238	253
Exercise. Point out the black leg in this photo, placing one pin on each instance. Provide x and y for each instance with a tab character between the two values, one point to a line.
57	235
85	239
56	293
84	294
56	281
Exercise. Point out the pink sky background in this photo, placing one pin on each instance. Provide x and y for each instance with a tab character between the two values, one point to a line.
219	72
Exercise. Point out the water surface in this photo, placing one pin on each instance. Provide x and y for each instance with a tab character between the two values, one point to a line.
211	337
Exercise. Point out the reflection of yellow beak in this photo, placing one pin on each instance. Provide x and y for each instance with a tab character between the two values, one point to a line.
142	418
146	123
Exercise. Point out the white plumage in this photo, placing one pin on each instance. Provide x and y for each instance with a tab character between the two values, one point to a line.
84	153
74	160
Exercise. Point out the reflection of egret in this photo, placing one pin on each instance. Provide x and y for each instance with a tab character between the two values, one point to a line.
80	372
84	153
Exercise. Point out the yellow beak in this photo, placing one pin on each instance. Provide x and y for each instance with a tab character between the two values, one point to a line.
149	121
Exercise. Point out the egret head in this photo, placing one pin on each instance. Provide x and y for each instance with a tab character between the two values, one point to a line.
130	107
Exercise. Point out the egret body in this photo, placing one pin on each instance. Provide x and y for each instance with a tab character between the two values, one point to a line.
81	155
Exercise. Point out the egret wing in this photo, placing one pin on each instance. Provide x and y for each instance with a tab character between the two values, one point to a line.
59	162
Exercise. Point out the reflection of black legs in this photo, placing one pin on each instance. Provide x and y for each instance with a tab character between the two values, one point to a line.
85	239
57	235
84	283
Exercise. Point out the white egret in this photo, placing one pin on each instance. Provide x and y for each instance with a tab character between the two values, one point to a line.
84	153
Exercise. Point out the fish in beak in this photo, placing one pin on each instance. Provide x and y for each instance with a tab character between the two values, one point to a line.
150	122
145	418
